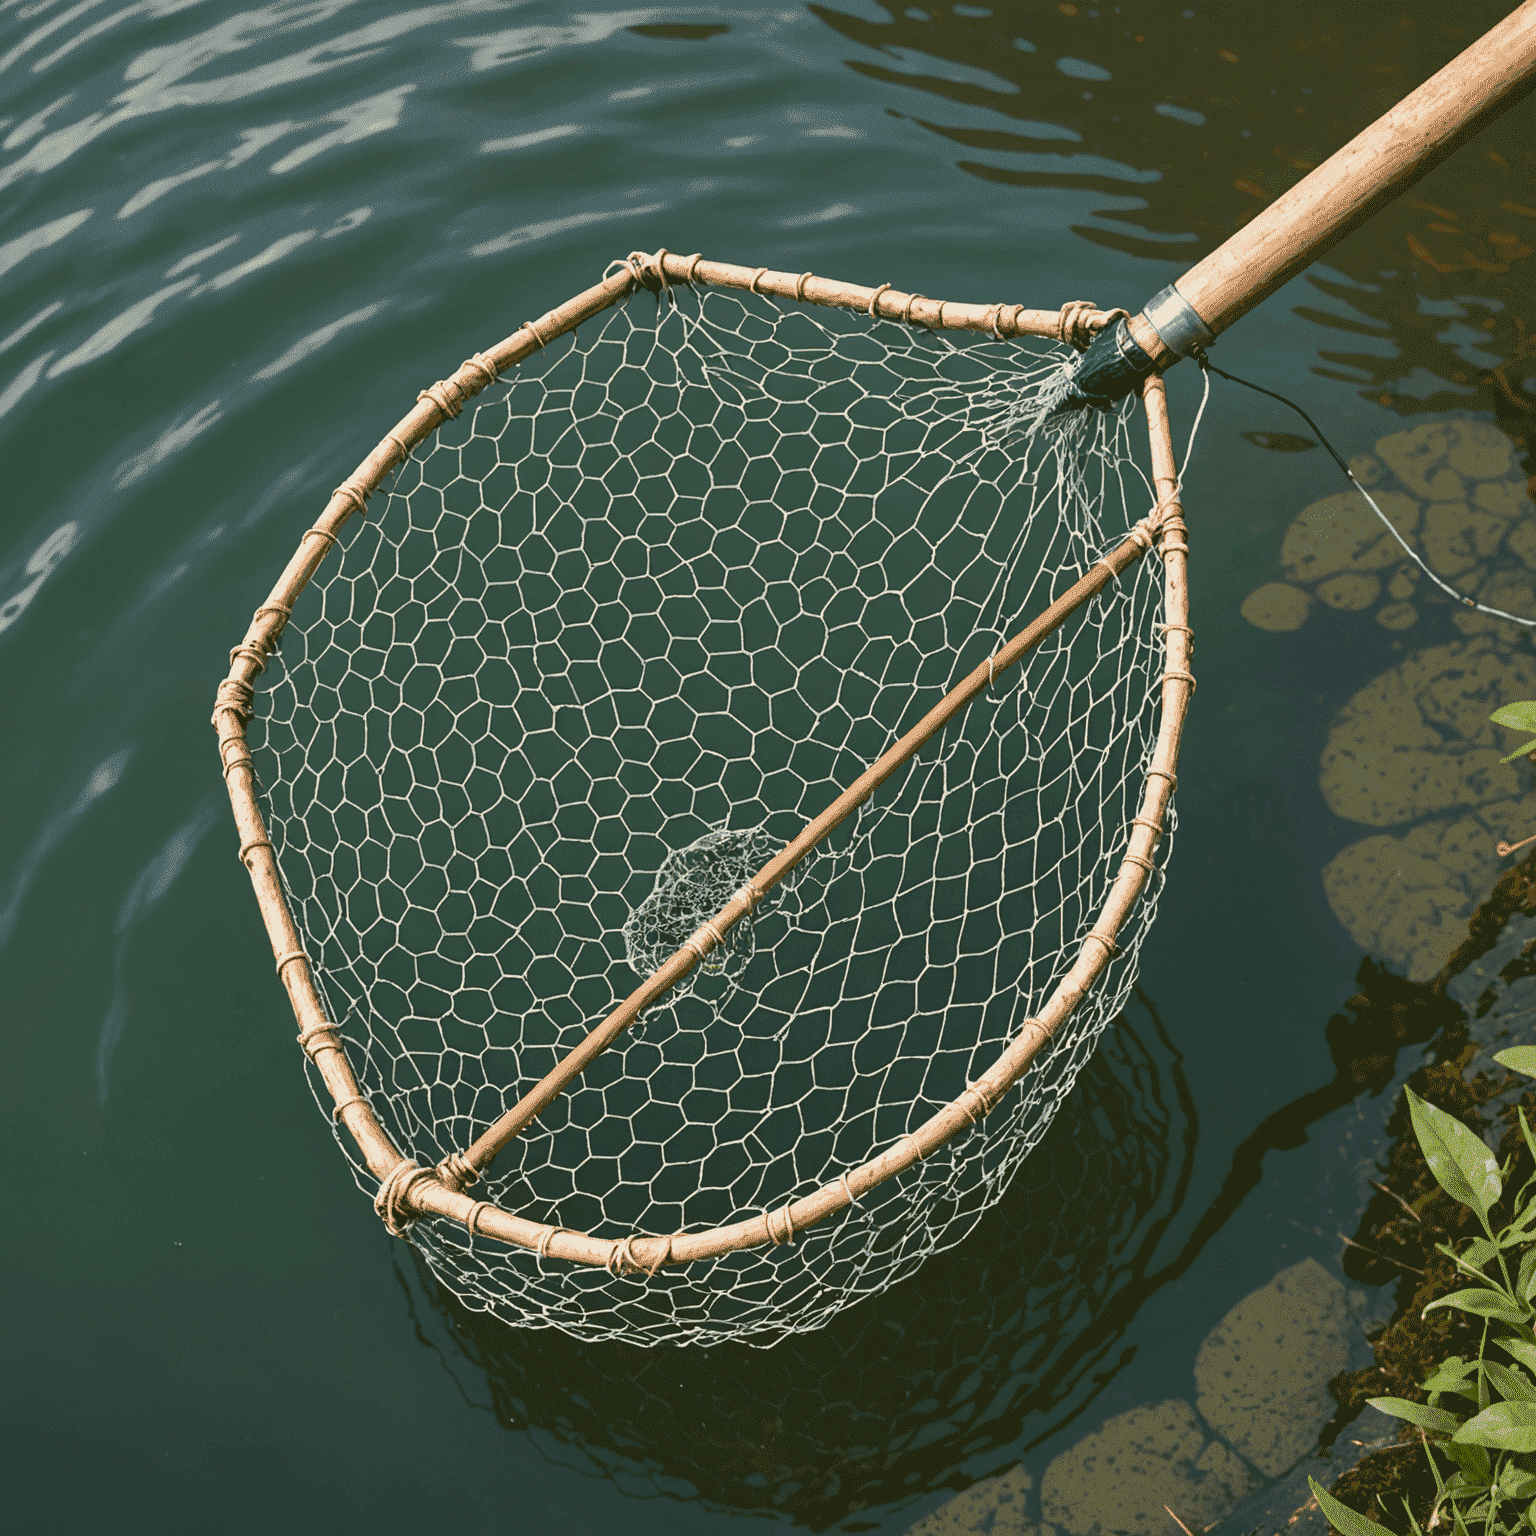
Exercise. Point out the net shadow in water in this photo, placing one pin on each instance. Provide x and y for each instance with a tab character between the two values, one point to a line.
1009	1333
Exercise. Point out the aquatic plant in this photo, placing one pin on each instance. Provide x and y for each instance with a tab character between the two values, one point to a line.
1478	1425
1519	716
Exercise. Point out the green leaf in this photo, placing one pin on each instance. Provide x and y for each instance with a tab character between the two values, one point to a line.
1530	1141
1515	1484
1472	1459
1519	716
1477	1253
1524	751
1481	1302
1436	1419
1341	1517
1503	1427
1464	1168
1512	1384
1518	1058
1525	1286
1452	1375
1522	1349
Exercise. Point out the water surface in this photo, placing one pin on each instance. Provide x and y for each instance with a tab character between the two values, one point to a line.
235	244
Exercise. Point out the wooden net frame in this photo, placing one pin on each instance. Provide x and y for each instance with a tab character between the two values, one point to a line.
408	1191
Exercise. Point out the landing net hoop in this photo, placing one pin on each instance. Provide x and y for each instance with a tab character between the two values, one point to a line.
407	1191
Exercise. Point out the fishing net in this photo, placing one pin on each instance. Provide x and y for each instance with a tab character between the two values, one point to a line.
553	738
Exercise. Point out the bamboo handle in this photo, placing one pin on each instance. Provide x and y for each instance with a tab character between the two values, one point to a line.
1353	183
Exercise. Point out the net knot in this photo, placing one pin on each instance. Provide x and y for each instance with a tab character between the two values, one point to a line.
1177	675
1165	773
1111	948
800	283
622	1260
234	697
236	753
252	653
345	1104
1076	325
320	1037
874	301
390	1202
485	365
906	309
750	895
1153	826
1142	535
472	1221
533	330
355	493
788	1215
456	1172
446	396
664	1256
634	264
546	1237
757	277
975	1103
400	445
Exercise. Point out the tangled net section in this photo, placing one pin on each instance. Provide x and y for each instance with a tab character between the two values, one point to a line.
618	633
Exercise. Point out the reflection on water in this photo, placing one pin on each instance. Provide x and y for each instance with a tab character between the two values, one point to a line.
1184	122
1004	1336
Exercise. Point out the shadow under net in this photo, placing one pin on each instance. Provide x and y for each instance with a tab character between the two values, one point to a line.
1005	1335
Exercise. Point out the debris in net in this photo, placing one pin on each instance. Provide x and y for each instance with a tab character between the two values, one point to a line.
692	885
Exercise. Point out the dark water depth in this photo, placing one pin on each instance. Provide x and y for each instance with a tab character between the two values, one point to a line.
234	244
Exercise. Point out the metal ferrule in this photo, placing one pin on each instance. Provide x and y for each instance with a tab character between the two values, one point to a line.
1173	317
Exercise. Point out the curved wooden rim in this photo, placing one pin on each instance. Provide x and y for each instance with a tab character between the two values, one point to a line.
407	1191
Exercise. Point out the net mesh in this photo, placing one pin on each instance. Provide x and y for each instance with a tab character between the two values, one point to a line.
619	631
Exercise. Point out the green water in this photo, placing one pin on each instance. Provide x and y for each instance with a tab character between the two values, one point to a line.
235	245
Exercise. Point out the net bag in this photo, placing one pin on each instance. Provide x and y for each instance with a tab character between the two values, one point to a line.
706	815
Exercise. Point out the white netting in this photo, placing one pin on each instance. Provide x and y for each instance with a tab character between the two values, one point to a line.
617	634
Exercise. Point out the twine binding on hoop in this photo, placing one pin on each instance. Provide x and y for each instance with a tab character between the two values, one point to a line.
782	1226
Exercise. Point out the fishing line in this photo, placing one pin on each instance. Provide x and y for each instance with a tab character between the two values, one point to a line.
1460	598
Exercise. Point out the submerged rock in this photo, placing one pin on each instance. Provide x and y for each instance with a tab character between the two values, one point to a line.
1417	740
1342	533
1406	898
993	1507
1277	607
1262	1373
1116	1481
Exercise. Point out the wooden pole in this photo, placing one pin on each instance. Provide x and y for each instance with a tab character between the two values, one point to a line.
1359	179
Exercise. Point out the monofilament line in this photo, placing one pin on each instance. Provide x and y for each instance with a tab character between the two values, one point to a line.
1459	598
